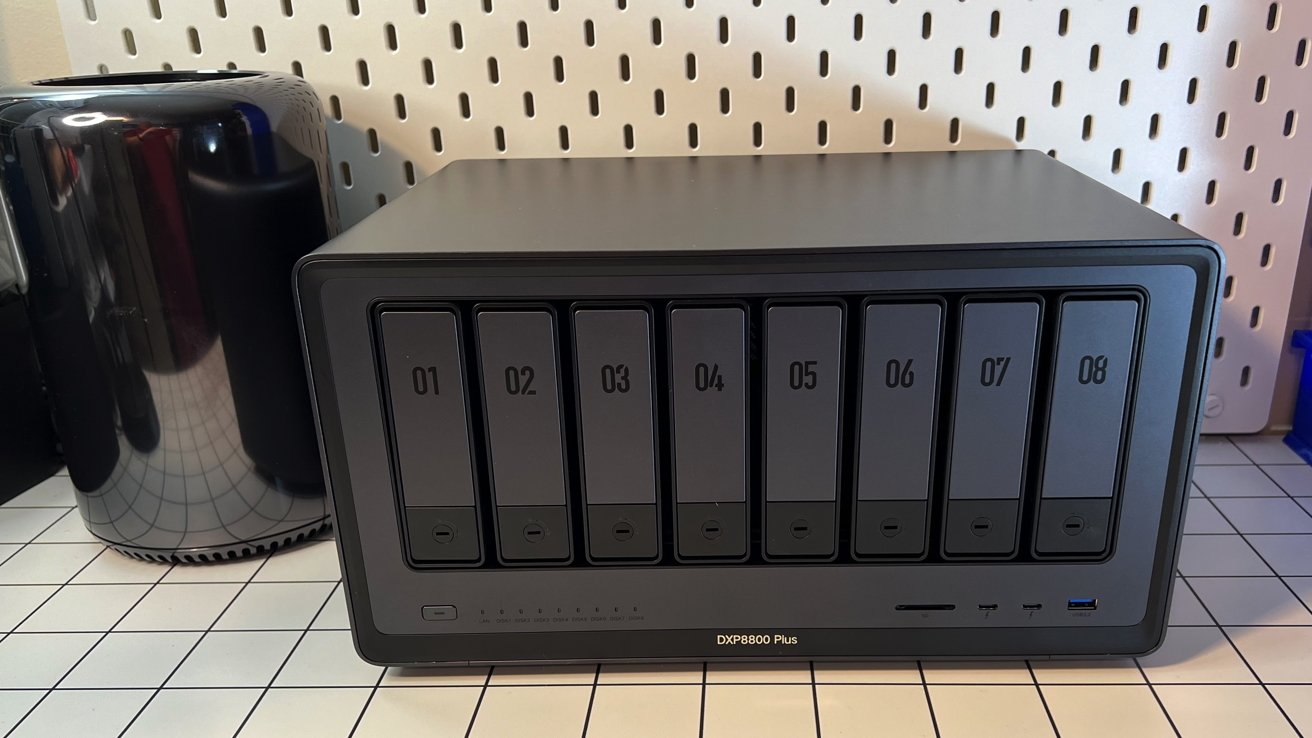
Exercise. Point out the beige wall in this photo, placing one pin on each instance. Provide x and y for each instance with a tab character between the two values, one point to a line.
31	41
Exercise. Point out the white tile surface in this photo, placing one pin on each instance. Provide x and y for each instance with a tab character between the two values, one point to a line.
544	712
1205	711
323	713
247	659
1235	481
758	673
1214	450
1197	672
83	713
14	705
1296	699
142	660
67	529
396	712
504	676
863	709
315	561
1295	480
649	674
289	606
1109	671
1276	654
1288	555
33	661
892	672
977	672
1251	601
111	567
180	607
1195	655
56	491
1265	514
326	658
1106	710
88	607
205	713
1302	586
18	601
1209	556
333	615
22	524
47	563
1266	449
762	710
460	676
1203	517
227	571
964	711
621	711
1185	607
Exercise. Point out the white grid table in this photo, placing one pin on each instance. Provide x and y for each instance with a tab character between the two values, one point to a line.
93	643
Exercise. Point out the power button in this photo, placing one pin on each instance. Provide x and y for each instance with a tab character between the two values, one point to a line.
439	612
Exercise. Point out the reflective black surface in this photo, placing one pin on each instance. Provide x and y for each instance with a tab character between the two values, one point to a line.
159	216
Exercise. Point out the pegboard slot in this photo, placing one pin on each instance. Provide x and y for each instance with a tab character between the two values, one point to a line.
1193	110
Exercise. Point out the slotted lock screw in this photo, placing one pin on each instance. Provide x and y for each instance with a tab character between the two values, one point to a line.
711	530
534	531
800	529
622	530
444	533
1073	526
981	526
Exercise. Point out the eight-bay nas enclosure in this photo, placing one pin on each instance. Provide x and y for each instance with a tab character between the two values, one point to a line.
841	406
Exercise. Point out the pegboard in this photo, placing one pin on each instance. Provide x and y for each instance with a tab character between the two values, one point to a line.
1191	108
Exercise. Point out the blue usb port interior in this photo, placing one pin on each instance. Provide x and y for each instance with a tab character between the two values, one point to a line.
1082	603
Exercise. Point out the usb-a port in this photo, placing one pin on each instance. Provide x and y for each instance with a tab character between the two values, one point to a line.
1082	603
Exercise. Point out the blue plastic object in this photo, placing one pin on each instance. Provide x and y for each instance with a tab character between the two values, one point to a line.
1300	438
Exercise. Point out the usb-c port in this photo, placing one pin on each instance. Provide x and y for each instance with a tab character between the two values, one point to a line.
988	607
1031	606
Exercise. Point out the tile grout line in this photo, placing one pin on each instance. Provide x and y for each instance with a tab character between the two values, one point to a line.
924	685
701	718
24	544
815	701
1261	558
487	679
194	646
1255	463
369	700
587	717
99	640
58	588
1144	672
1156	697
292	652
1244	659
1034	680
29	615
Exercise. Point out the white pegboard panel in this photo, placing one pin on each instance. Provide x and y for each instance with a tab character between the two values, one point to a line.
1192	108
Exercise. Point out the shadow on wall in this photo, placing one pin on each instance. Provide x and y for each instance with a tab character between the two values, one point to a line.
379	151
